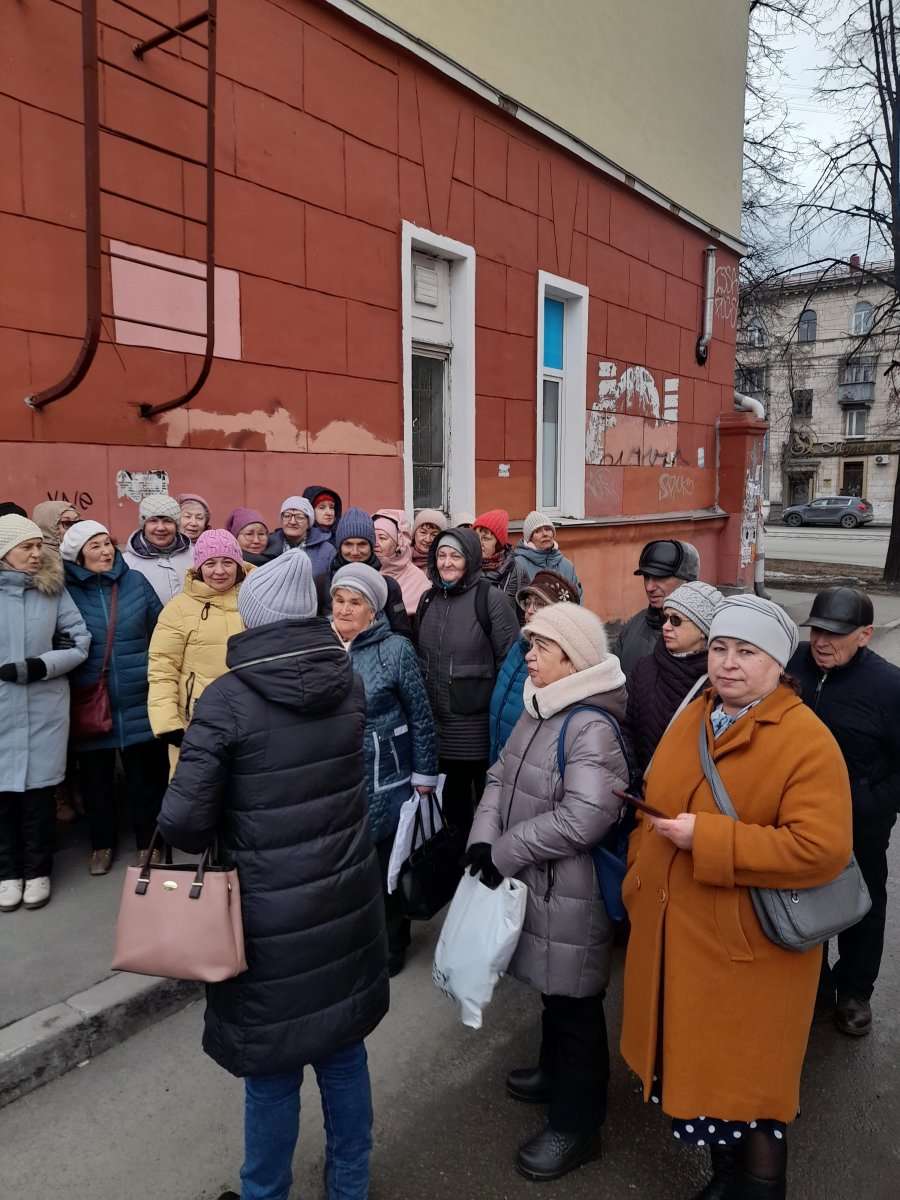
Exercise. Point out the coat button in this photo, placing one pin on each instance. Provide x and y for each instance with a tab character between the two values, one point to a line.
662	894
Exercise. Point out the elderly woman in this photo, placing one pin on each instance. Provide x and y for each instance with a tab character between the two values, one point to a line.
716	1016
299	532
95	573
195	518
463	629
252	533
399	744
428	523
54	517
189	644
539	826
674	669
507	699
392	543
35	609
158	550
498	559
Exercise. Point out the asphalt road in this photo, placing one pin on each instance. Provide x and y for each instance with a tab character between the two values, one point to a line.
863	547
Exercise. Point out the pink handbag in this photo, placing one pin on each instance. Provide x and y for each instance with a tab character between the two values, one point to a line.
180	921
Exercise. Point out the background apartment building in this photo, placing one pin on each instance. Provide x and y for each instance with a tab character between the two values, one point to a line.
806	348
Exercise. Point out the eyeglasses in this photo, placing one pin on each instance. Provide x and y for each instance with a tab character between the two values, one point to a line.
672	619
69	524
294	518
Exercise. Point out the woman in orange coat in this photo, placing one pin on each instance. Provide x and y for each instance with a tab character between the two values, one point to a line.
716	1017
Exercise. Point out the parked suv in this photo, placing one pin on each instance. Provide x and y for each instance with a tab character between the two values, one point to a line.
846	511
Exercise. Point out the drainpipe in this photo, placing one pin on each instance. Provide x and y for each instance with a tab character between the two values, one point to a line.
705	338
751	404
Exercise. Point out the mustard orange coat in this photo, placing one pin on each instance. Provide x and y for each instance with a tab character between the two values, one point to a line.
709	999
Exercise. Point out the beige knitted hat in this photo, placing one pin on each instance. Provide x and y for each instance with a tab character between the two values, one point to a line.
578	631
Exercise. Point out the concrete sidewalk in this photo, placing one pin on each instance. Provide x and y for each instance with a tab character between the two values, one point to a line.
62	1004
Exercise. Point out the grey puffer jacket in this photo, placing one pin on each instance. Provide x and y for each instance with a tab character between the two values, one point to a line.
541	828
459	661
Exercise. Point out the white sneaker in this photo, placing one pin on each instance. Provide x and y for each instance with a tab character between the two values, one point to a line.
37	892
10	894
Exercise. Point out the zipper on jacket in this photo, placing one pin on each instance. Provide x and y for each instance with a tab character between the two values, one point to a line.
819	686
518	769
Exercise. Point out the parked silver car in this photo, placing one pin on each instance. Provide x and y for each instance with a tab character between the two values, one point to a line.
846	511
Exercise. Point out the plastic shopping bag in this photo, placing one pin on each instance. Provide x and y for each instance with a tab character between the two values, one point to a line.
403	838
479	937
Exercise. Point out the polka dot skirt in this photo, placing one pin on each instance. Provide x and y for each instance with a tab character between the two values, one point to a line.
714	1131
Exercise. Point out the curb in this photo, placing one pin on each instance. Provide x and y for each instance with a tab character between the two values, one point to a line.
47	1044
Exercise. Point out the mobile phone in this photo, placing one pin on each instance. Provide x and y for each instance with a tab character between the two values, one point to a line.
640	804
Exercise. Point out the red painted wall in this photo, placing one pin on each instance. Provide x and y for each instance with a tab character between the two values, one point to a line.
328	137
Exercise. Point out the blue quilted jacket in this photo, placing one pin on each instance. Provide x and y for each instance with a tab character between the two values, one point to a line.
138	608
399	746
507	702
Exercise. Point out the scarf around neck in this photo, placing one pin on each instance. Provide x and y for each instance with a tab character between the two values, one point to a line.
572	689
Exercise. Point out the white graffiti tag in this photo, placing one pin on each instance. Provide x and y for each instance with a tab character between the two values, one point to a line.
672	486
726	296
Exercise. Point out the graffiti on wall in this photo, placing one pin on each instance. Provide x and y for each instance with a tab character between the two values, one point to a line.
726	295
630	424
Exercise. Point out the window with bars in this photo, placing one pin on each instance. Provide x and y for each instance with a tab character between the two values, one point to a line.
429	433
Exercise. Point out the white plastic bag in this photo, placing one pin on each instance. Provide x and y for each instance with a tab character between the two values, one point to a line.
479	937
403	838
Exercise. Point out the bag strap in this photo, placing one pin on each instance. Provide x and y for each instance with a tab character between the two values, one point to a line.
713	778
111	628
561	742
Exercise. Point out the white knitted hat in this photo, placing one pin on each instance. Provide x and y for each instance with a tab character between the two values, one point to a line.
159	505
14	530
535	520
578	631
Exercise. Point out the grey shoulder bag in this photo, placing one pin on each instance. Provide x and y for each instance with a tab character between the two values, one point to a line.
796	918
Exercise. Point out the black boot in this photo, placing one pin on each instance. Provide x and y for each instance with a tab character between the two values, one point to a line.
751	1188
723	1185
552	1153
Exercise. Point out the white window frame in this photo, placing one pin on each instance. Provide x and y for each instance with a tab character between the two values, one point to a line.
863	317
850	416
573	394
460	416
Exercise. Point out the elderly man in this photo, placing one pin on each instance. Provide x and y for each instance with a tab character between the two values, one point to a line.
856	693
664	565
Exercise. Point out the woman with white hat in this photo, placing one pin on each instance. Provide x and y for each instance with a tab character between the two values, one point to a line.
34	708
539	825
299	531
119	603
399	745
674	669
158	550
717	1016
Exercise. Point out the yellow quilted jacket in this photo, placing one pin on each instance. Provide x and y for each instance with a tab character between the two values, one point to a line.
187	650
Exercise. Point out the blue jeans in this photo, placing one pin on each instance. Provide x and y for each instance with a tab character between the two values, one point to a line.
272	1124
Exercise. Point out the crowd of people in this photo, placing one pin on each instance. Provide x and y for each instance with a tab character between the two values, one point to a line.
286	689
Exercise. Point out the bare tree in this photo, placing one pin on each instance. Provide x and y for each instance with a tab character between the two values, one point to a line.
858	185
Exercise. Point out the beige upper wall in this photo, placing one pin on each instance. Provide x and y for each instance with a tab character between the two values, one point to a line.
657	86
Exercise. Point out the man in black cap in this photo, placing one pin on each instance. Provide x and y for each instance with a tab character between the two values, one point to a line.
664	565
856	693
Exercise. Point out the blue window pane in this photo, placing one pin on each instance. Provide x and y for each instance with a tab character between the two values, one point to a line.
554	316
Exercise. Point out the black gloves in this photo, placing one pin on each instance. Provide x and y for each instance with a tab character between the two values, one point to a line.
29	671
478	860
63	641
172	737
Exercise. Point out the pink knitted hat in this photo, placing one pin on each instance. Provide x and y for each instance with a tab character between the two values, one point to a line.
216	543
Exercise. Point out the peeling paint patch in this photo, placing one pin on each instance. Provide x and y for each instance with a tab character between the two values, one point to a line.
277	429
344	437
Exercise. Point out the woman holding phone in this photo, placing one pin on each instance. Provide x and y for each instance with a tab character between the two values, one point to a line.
716	1016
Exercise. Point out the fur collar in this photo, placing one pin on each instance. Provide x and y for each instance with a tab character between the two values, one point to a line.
50	580
572	689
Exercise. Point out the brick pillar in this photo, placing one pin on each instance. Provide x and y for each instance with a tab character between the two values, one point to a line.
740	494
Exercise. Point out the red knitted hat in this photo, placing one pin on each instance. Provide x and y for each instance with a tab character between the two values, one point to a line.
497	521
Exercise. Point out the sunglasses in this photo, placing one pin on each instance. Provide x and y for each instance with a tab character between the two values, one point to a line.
673	619
69	524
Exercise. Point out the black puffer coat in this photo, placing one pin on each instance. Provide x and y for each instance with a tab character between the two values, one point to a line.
272	762
459	661
637	638
657	685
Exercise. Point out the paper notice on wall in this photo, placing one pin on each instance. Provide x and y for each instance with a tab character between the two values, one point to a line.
135	485
701	457
503	470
